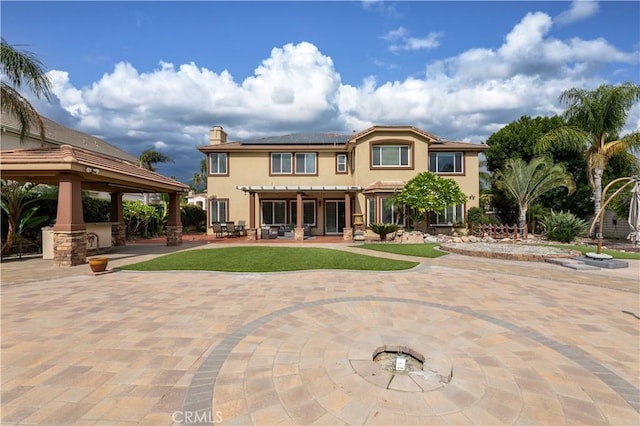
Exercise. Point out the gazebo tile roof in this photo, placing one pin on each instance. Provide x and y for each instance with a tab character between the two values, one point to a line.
66	154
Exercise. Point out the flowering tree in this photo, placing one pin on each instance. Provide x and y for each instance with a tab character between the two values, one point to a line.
427	193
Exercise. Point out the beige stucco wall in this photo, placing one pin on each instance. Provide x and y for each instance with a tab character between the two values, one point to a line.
253	168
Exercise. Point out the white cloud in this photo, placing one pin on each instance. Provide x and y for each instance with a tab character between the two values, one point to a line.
297	89
400	40
380	6
580	9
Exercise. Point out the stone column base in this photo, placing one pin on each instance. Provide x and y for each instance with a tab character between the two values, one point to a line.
118	234
69	248
347	234
252	234
174	235
298	234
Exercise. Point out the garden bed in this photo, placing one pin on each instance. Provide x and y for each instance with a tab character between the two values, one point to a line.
510	251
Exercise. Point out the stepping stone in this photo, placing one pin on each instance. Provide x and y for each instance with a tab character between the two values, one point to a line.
571	264
605	263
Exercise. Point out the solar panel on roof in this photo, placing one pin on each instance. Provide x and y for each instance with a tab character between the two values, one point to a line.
300	139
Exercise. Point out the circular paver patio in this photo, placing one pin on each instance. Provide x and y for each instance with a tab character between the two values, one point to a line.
544	346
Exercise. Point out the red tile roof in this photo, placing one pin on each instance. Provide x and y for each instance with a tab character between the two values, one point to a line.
95	168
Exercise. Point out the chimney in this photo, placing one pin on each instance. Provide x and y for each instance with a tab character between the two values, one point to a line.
217	135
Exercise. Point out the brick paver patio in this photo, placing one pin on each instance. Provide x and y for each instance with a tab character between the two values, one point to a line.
530	343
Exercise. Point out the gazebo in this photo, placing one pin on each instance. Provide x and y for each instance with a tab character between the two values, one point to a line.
74	169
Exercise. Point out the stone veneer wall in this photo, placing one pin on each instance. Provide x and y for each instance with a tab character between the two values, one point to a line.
118	234
69	248
174	235
347	234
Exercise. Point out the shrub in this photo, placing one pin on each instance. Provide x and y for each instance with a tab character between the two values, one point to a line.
95	209
141	219
475	215
383	229
193	217
563	226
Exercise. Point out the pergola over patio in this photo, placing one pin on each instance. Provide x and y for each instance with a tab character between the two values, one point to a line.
74	169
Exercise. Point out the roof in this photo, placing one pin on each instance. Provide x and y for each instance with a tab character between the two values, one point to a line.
60	135
333	141
300	139
297	188
444	145
373	129
384	186
98	172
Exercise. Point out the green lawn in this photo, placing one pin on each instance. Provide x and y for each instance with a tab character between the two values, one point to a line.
267	259
592	249
420	250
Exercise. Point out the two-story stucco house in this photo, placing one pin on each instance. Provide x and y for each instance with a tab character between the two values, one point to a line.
320	181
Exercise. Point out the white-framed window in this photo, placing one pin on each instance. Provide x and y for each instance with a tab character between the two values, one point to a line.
390	156
450	215
281	163
341	163
391	212
371	210
218	163
445	162
308	212
274	212
305	163
219	210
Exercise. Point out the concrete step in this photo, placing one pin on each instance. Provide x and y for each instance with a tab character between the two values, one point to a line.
571	264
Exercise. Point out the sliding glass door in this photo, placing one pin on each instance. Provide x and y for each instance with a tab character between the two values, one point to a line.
334	217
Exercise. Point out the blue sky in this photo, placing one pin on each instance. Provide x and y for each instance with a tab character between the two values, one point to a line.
160	74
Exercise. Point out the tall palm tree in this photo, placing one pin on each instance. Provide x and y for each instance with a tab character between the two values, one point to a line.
22	69
594	121
200	177
525	183
197	181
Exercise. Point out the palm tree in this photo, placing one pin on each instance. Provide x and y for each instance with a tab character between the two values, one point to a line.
526	182
149	158
21	69
197	181
594	121
200	177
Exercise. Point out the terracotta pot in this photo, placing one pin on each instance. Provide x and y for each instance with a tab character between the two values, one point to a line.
98	264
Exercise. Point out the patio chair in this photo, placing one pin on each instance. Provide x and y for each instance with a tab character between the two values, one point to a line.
217	229
241	228
231	230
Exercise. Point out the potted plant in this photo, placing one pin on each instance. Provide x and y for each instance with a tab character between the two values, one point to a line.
98	264
383	229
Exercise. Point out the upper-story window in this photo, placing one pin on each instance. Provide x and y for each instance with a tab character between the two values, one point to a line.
445	162
281	163
218	162
390	156
306	163
341	163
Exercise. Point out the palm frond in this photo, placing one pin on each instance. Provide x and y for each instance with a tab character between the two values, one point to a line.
567	137
16	104
22	68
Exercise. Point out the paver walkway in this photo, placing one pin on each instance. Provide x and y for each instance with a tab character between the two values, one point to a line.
529	343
